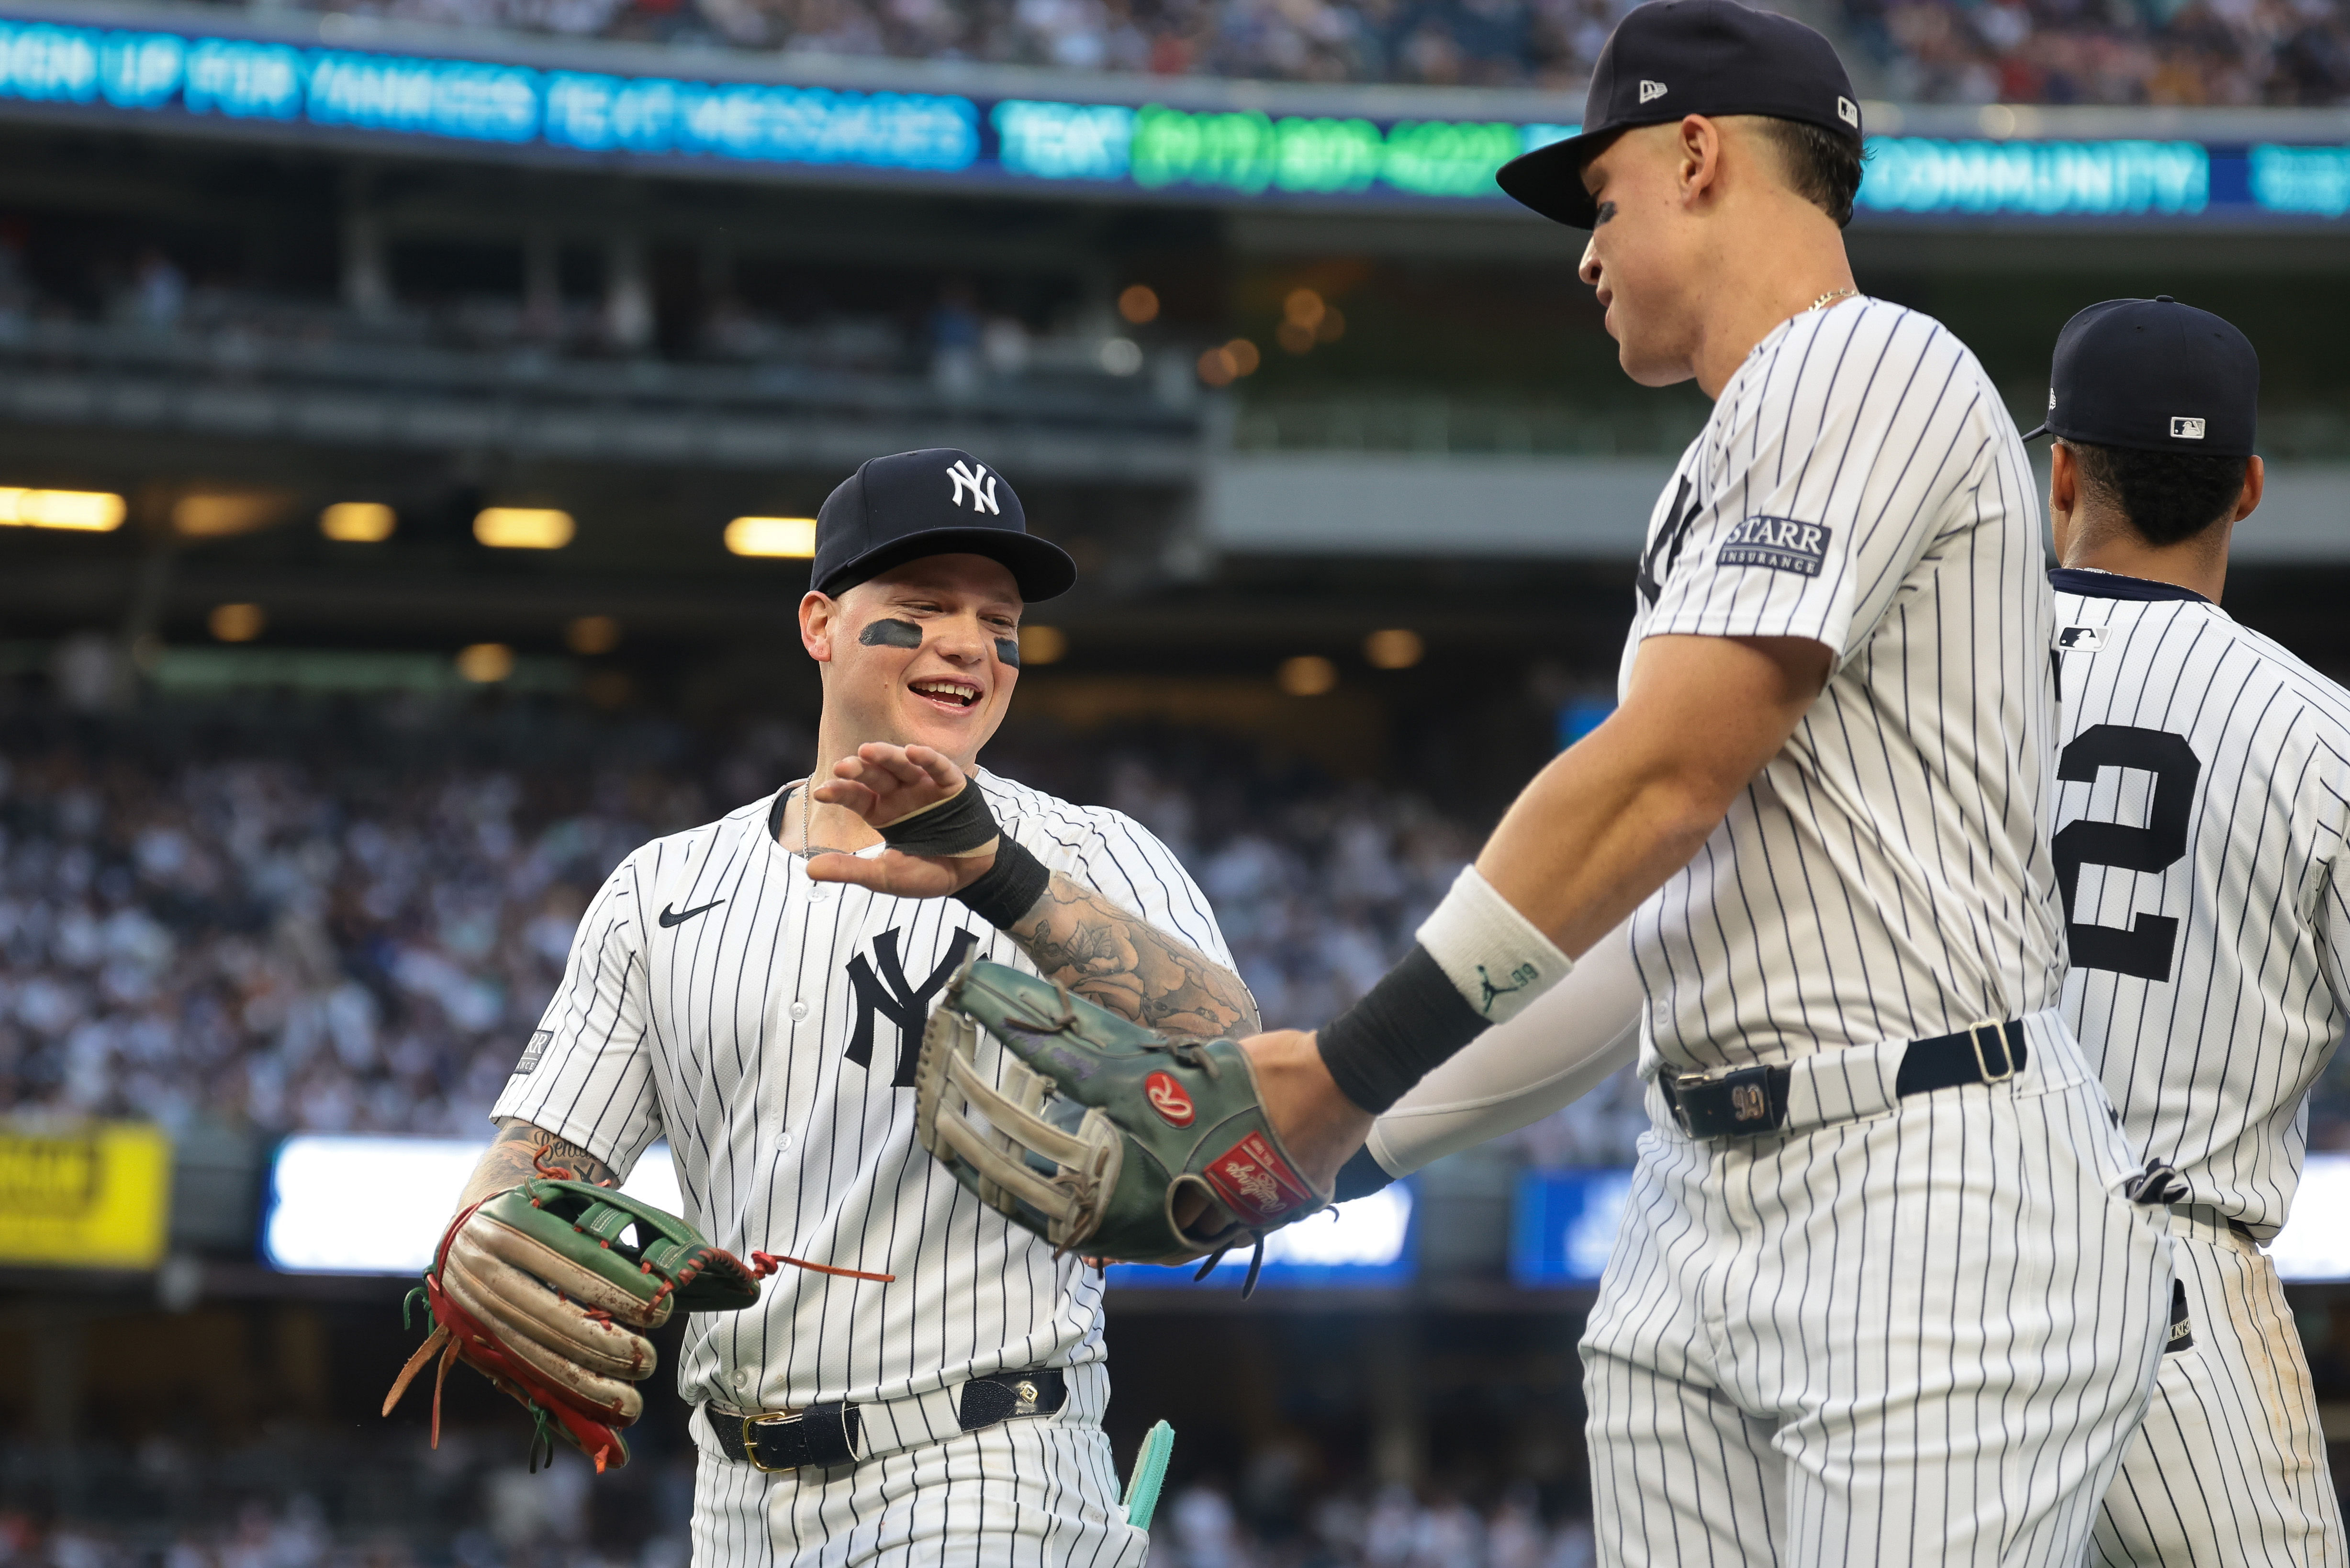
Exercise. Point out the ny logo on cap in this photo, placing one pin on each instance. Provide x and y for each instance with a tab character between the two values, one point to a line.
1848	111
979	483
2184	427
1650	90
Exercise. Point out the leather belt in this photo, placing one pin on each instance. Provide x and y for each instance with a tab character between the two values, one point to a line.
819	1436
1746	1101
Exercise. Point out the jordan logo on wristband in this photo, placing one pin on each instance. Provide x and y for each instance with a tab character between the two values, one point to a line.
1524	974
1254	1182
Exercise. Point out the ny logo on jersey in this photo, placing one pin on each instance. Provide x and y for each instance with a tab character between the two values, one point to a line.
907	1006
1665	548
975	478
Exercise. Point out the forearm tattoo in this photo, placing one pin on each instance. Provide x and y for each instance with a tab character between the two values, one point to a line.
1121	962
521	1151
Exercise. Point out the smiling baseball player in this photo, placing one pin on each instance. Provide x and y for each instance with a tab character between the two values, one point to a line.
928	1385
2202	815
1881	1292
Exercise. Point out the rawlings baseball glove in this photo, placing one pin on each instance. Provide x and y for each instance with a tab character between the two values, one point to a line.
541	1289
1100	1125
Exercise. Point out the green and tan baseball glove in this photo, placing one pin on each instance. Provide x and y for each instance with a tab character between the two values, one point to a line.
546	1289
1099	1126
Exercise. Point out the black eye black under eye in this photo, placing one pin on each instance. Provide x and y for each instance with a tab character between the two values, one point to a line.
891	634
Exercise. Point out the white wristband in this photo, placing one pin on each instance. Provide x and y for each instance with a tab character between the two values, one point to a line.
1496	957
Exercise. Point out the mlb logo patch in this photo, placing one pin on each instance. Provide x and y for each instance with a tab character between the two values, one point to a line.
1848	111
2184	427
1650	91
1781	544
2080	638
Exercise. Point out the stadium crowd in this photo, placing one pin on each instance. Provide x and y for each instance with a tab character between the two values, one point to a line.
2225	52
488	1511
1478	43
2013	51
349	941
358	939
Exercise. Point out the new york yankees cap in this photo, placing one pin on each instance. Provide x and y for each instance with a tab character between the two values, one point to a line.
2155	376
1672	58
939	501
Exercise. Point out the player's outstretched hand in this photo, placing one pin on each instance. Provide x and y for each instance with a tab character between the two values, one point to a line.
885	783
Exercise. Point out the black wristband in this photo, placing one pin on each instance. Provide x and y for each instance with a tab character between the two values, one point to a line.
1009	888
1414	1018
956	825
1361	1177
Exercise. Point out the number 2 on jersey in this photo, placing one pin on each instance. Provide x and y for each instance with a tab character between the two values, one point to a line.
2145	949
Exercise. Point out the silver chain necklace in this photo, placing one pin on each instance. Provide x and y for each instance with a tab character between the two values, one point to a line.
1831	295
806	805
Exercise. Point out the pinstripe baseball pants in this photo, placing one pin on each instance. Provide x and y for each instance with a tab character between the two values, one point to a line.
1038	1493
1920	1337
2228	1466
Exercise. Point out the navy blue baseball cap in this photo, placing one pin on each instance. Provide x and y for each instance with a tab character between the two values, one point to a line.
2155	376
940	500
1672	58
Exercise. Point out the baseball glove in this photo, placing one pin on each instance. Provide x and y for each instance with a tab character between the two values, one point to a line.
1100	1125
541	1289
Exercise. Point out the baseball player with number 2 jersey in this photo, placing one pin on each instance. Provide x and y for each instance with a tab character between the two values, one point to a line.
2203	800
922	1382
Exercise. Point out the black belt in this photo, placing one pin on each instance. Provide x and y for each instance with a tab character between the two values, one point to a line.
1751	1100
823	1436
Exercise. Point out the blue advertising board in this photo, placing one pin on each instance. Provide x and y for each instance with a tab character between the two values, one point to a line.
1563	1223
1371	1241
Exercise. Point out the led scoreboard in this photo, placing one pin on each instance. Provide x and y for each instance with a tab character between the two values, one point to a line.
183	76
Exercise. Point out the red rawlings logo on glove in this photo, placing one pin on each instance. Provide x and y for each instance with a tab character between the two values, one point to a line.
1168	1098
1254	1182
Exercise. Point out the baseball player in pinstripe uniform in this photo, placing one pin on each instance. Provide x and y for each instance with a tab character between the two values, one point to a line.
928	1385
2202	815
1882	1291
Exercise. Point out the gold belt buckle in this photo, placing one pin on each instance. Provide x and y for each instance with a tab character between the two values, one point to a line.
751	1446
2006	1050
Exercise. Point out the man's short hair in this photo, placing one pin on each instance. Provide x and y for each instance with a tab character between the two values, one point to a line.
2168	496
1822	167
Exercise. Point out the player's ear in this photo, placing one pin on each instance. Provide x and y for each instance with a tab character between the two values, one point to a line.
820	622
1700	156
2256	481
2063	484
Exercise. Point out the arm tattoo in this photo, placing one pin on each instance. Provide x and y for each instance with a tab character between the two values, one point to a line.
1121	962
514	1157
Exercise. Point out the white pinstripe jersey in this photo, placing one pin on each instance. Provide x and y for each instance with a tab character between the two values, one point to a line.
1885	877
767	1026
2203	796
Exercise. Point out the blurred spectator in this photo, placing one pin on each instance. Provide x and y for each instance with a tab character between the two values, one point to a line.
159	292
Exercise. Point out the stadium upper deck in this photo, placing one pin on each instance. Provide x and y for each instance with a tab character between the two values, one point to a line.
2015	51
